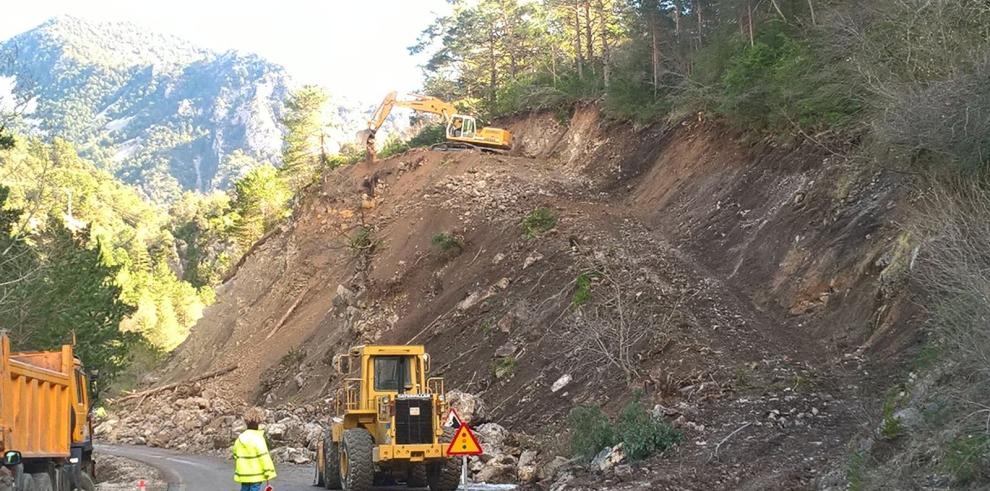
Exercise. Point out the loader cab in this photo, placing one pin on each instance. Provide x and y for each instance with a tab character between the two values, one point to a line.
461	126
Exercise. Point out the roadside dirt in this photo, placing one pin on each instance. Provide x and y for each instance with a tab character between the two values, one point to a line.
753	293
120	474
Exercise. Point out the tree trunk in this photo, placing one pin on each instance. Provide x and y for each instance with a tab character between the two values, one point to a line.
603	20
677	18
701	21
655	43
749	18
577	42
493	66
811	7
589	41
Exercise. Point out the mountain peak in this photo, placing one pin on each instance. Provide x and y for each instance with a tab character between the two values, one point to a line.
107	43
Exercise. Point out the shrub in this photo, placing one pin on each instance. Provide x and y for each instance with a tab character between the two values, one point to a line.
582	291
361	240
591	431
891	426
428	136
965	458
447	241
504	367
538	221
642	434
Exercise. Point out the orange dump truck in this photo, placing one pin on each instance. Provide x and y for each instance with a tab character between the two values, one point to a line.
45	429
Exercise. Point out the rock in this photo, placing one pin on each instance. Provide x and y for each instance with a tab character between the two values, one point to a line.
299	380
492	437
469	407
497	470
532	258
314	433
560	383
608	458
291	455
503	283
527	470
551	470
498	258
276	431
345	296
909	417
506	350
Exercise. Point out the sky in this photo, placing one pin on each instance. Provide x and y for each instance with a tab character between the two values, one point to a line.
356	48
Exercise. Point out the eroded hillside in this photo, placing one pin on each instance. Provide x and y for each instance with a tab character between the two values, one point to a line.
753	293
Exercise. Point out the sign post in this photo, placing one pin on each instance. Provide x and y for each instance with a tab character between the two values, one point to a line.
463	444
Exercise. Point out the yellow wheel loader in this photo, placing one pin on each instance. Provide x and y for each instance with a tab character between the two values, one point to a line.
462	131
388	423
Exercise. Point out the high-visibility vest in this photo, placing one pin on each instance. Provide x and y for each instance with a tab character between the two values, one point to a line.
252	463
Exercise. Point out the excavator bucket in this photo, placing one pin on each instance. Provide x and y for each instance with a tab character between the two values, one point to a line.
367	138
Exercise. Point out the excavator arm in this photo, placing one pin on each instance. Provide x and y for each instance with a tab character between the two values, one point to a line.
420	103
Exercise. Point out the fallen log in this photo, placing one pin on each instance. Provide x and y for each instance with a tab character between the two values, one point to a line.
148	392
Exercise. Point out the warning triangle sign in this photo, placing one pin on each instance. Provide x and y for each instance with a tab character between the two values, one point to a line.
453	420
464	443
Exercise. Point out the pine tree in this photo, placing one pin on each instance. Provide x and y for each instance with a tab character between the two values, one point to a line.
301	155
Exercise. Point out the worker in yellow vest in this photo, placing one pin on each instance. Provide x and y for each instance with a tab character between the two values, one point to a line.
253	465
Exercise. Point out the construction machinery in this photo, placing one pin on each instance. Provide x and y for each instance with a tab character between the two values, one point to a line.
388	423
45	427
462	131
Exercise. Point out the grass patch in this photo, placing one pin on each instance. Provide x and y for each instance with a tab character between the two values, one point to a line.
538	222
362	240
965	457
582	291
503	367
856	471
446	241
891	427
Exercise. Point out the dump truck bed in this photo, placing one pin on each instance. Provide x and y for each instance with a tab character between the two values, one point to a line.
35	402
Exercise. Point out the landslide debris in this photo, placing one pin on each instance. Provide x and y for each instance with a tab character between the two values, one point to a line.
743	289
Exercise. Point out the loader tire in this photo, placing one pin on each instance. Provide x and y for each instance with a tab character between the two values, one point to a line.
86	482
357	471
42	482
446	474
417	476
331	463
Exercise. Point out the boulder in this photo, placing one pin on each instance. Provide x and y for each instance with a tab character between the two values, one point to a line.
500	469
526	470
469	407
608	458
492	437
291	455
560	383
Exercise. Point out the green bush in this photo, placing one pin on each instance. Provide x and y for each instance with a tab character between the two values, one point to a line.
591	431
582	291
890	427
428	136
538	221
447	241
504	367
965	458
361	240
641	433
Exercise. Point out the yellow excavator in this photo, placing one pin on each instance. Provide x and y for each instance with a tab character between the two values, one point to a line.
462	131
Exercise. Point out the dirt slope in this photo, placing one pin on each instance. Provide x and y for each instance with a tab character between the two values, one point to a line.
754	286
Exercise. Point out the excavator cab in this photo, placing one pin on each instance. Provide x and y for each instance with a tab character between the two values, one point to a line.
461	127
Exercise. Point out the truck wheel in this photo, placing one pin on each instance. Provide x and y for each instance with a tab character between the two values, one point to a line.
25	483
42	481
86	483
357	471
417	476
331	464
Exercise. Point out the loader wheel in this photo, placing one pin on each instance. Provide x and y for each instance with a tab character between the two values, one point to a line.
42	481
417	476
331	463
446	474
357	471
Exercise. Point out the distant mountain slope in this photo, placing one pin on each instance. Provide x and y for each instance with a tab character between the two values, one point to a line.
154	109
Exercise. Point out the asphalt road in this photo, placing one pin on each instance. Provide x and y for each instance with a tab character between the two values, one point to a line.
207	473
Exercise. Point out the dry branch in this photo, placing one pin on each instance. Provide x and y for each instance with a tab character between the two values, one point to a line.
145	393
